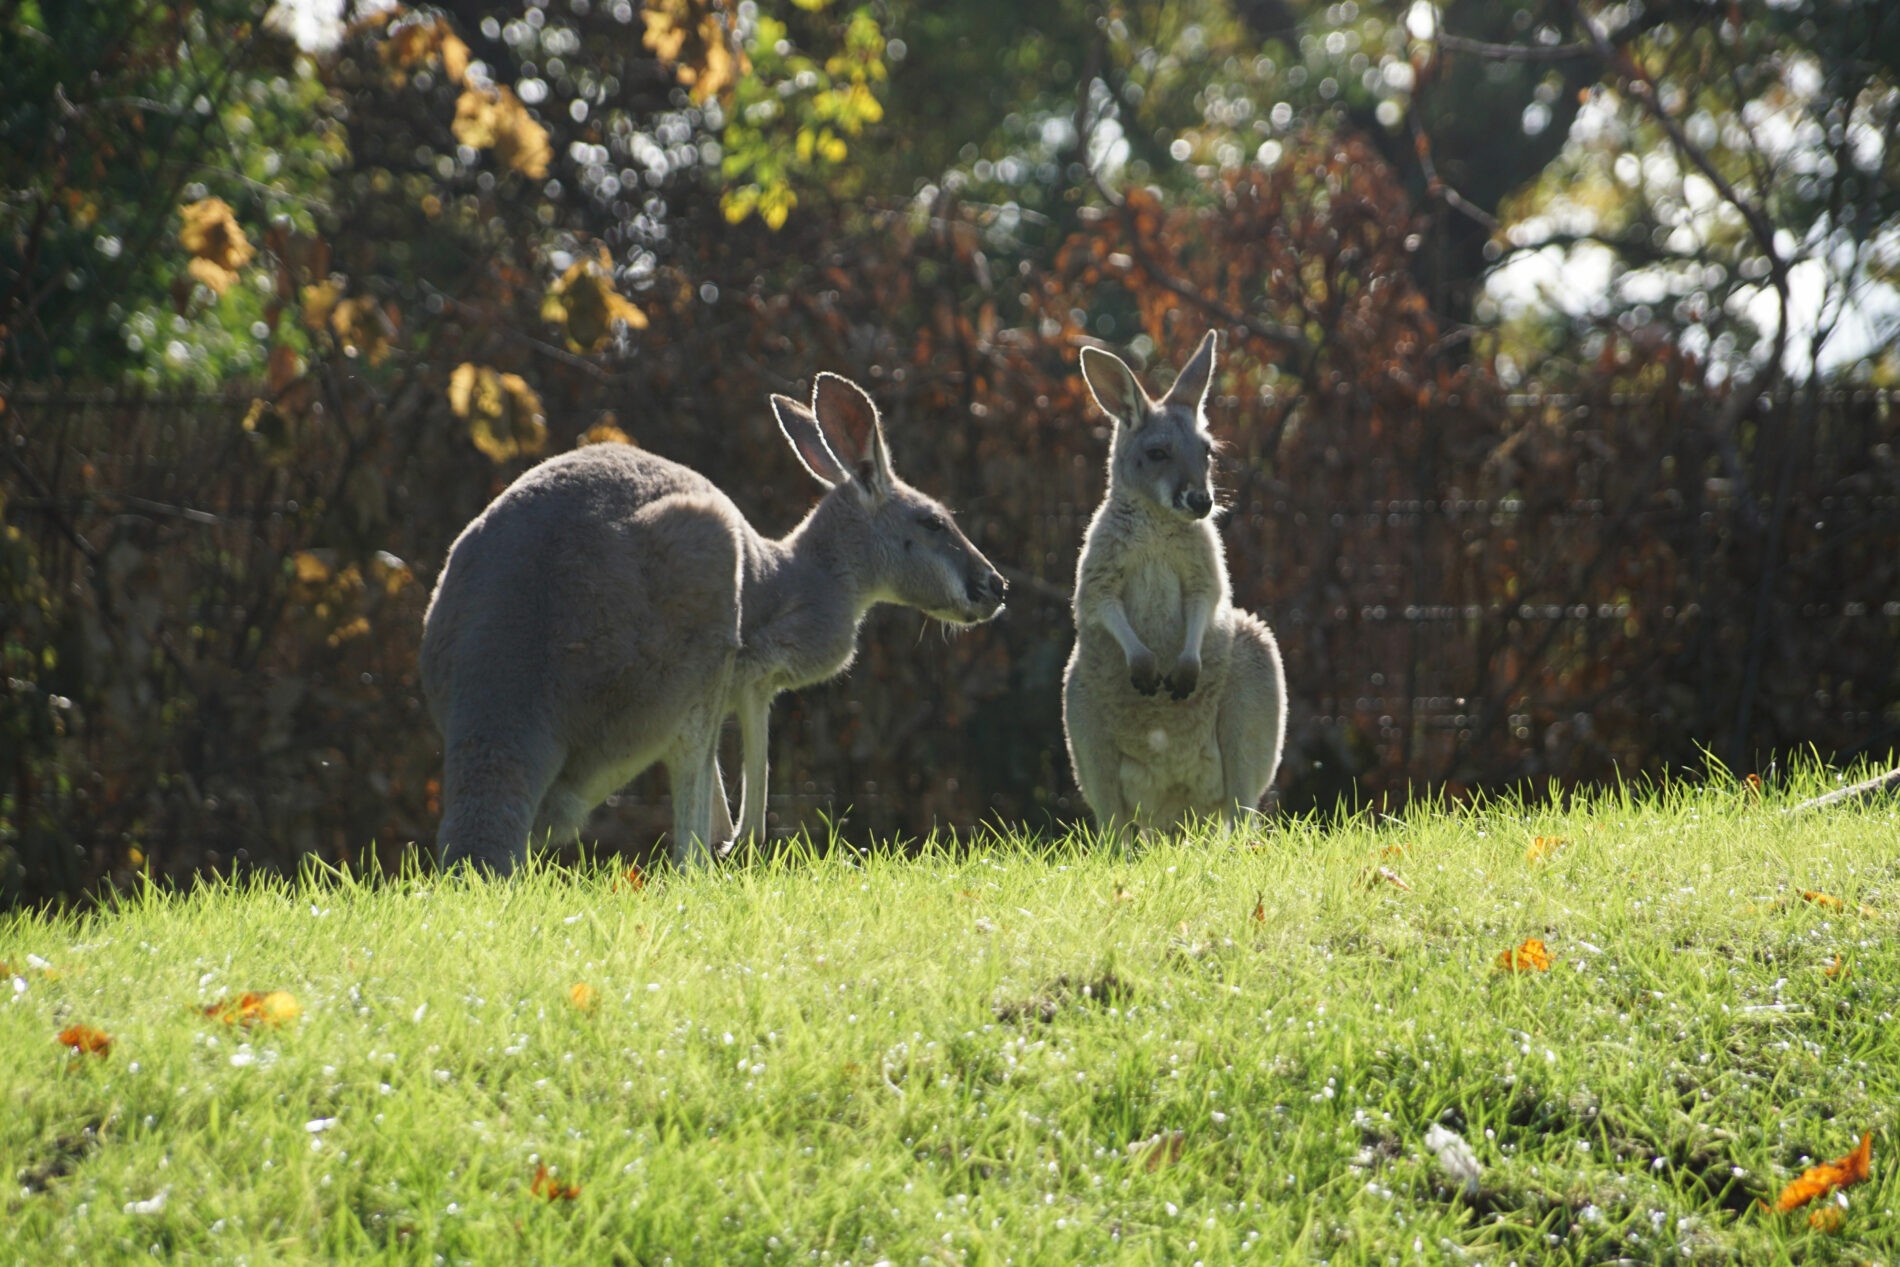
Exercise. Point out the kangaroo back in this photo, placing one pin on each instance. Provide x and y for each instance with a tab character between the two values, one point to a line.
612	608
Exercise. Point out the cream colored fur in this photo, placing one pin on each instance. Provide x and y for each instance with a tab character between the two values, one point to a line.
1152	749
611	609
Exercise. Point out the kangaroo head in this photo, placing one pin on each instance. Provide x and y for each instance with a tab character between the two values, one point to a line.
903	545
1161	451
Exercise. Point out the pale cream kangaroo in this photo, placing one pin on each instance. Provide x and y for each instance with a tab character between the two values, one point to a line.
1150	748
611	609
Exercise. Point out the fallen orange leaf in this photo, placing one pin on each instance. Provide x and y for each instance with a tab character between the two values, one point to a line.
1826	1218
1822	899
1837	968
1818	1181
256	1007
85	1040
582	996
1753	784
546	1185
1543	847
1395	851
1529	957
631	878
1260	909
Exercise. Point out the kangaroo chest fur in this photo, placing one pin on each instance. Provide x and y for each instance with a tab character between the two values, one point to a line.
1154	565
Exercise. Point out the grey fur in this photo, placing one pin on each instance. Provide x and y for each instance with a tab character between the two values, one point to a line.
612	608
1151	751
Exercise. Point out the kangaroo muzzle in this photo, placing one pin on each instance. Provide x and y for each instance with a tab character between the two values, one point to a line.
987	590
1195	501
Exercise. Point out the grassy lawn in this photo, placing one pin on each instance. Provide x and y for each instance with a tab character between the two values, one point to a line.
1228	1050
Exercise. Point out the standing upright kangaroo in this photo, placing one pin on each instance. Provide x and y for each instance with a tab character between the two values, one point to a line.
611	609
1152	578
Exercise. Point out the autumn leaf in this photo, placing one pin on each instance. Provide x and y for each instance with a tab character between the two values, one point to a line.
546	1185
256	1007
583	996
215	242
1837	969
1260	909
503	414
1544	847
415	41
631	878
1818	1181
494	119
1827	1218
603	432
693	37
85	1040
586	305
1753	784
1529	957
363	328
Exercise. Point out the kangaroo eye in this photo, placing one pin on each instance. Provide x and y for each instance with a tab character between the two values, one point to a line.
1157	454
932	523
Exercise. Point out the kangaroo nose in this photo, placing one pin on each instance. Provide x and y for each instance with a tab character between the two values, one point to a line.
1199	502
991	587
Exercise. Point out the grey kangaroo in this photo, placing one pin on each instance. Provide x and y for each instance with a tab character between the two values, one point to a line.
612	608
1151	751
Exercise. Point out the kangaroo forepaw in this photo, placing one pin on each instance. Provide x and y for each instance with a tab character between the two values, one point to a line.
1144	674
1186	676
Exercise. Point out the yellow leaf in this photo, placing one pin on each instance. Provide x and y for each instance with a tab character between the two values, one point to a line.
603	432
585	302
494	118
363	327
212	236
503	414
582	996
694	37
1544	847
414	41
1529	957
255	1007
310	568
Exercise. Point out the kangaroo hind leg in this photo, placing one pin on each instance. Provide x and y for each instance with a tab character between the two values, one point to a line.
491	798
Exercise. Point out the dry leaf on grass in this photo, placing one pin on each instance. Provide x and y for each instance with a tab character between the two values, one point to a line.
631	878
582	996
85	1040
1827	1218
256	1007
1818	1181
546	1185
1529	957
1158	1150
1544	847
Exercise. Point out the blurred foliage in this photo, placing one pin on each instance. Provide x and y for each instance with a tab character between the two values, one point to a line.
276	320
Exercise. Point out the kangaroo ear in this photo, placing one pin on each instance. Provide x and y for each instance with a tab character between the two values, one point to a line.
1190	388
808	442
1113	385
850	424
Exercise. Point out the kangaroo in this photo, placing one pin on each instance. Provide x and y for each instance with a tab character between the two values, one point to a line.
612	608
1149	751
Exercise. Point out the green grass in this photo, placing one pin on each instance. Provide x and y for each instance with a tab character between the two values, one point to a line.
897	1061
